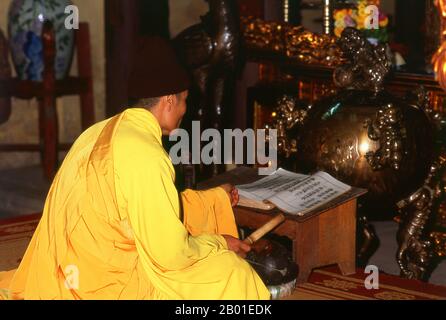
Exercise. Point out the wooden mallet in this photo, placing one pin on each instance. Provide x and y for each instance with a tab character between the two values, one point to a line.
267	227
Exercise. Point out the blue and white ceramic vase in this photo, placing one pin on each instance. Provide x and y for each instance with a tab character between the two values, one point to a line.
25	23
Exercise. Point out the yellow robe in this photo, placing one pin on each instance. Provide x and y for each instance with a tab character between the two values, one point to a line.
111	226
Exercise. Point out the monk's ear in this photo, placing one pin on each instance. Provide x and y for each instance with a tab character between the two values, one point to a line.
170	102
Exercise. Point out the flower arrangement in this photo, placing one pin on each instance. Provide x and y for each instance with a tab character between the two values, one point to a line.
356	17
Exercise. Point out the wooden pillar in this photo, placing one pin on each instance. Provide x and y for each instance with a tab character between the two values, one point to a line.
5	74
83	46
47	104
121	28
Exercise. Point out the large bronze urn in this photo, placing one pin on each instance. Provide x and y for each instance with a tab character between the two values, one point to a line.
363	135
371	140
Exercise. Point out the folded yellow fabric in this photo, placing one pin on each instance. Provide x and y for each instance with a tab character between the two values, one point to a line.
208	212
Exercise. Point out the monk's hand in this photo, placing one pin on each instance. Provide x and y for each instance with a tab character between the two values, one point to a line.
232	192
236	245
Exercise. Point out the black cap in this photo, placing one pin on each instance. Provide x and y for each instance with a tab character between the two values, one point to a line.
156	70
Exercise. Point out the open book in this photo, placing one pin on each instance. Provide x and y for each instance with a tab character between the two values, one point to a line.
291	192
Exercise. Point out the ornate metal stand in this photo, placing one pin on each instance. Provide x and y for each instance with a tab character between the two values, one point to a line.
417	253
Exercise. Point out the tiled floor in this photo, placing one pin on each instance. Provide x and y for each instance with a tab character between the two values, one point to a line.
23	191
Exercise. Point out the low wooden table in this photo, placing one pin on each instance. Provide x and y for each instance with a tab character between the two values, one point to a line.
322	238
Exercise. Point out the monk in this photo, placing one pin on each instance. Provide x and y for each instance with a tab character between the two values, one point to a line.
112	227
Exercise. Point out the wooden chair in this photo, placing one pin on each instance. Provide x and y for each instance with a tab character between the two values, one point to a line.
46	93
